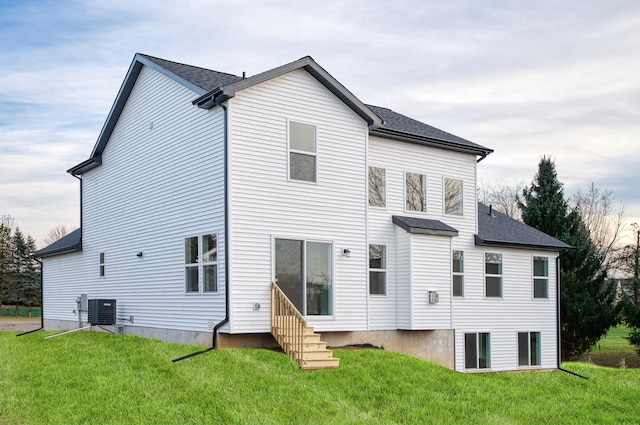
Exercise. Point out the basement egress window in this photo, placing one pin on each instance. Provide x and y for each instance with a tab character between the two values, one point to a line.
201	264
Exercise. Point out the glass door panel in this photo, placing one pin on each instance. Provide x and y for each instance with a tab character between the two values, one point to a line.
319	282
289	270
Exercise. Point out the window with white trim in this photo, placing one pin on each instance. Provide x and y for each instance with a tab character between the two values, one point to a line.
302	152
458	273
201	263
453	191
415	192
493	274
377	270
529	349
377	187
540	277
102	264
477	350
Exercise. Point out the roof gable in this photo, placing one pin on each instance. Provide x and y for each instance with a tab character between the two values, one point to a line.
498	229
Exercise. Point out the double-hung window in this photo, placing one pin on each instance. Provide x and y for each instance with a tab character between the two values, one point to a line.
540	277
201	263
302	152
453	196
415	186
377	269
458	273
477	350
377	187
529	349
493	274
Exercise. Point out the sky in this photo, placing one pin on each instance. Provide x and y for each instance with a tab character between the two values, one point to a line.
525	78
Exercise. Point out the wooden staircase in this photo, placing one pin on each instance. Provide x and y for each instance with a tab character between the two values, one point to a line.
295	336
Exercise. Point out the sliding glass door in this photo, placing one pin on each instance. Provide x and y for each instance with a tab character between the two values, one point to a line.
304	272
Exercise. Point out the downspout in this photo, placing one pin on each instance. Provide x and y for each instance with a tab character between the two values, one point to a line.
214	342
559	325
41	328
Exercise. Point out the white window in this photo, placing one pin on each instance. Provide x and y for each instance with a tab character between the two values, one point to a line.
415	192
201	263
493	274
458	273
477	350
453	196
540	277
302	152
377	187
102	264
529	349
377	269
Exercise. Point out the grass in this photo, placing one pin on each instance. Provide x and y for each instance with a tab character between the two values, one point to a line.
614	350
91	377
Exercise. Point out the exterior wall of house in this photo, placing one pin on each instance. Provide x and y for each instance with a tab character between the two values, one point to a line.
161	181
516	311
418	263
267	205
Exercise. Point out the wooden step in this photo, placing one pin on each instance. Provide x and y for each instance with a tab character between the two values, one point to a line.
317	355
331	363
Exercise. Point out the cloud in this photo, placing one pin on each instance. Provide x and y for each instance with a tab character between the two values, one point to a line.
527	79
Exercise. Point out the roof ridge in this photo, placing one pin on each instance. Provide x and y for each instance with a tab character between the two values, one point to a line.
186	64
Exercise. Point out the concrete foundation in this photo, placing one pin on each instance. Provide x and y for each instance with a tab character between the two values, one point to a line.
169	335
436	346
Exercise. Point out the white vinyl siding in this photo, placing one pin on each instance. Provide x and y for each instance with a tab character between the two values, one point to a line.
266	205
505	317
161	180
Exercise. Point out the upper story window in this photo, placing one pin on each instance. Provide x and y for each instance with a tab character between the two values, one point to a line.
377	187
302	152
458	273
102	264
377	269
201	264
540	277
453	196
415	187
493	274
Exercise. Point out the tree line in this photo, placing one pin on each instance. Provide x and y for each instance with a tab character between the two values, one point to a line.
591	222
19	270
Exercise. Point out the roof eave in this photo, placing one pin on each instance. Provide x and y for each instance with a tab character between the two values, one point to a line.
60	251
479	241
85	166
427	141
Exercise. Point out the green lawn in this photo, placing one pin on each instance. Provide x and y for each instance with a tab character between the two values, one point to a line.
614	350
90	377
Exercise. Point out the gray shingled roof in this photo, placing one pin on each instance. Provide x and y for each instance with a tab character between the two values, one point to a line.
424	226
69	243
395	122
498	229
201	77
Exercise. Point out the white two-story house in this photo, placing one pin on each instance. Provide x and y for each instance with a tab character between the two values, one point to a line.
204	188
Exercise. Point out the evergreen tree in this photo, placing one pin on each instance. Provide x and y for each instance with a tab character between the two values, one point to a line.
6	262
588	307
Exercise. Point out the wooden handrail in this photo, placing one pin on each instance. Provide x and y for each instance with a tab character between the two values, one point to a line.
287	324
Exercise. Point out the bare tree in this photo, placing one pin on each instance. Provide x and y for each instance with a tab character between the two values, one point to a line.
415	192
56	233
503	196
602	216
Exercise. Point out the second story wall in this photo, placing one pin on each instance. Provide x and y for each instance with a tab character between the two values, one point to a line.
397	159
160	182
268	202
